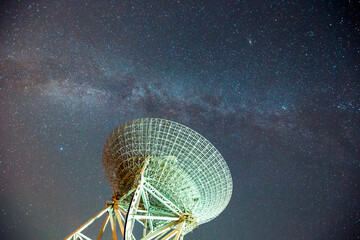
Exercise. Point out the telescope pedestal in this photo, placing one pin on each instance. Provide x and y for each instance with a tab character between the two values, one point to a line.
156	225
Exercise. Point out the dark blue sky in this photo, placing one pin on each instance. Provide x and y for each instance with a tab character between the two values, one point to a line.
274	85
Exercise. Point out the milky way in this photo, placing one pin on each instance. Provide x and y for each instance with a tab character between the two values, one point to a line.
274	85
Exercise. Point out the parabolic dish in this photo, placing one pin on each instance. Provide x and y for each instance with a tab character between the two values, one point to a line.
182	165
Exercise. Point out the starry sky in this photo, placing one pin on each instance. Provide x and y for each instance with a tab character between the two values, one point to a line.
274	85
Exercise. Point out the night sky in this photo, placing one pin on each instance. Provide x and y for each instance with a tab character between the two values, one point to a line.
274	85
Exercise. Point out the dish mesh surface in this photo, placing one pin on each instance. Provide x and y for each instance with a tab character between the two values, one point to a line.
184	166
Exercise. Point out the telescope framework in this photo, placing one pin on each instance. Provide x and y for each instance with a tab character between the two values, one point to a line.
168	226
165	177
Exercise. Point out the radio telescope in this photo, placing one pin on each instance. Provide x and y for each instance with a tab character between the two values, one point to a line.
166	178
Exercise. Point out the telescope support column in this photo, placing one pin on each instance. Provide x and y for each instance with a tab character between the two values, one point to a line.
172	227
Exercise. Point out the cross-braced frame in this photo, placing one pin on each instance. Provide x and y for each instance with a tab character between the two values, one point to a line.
167	179
165	221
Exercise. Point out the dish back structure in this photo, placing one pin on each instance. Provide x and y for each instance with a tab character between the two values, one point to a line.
164	176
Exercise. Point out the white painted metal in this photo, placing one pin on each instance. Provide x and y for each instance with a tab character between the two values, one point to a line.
165	176
182	165
173	226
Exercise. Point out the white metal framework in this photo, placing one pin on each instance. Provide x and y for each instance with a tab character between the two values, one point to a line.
172	226
165	176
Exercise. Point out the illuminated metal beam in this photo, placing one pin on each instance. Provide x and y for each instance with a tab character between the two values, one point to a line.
89	222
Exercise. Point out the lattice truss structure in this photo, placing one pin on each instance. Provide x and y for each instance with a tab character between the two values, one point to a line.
165	176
